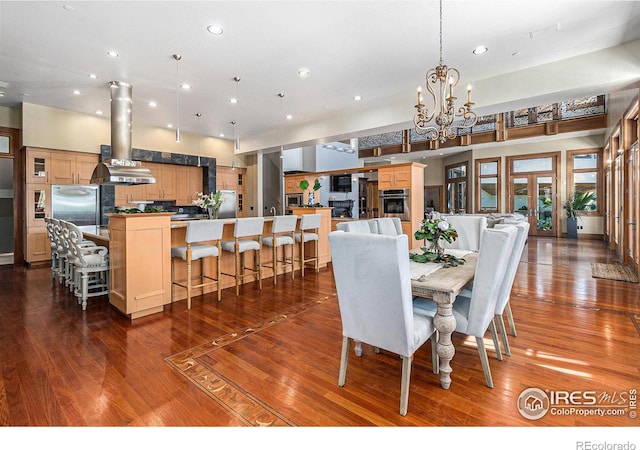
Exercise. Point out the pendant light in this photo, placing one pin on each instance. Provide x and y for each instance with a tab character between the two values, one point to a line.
177	59
198	115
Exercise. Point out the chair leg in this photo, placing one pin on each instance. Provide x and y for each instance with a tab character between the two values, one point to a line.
238	264
258	264
293	269
317	260
344	359
435	360
302	256
503	334
512	324
188	283
219	269
496	342
85	290
275	262
404	386
484	360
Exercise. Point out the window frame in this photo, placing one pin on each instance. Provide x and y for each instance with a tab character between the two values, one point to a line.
479	178
571	171
448	180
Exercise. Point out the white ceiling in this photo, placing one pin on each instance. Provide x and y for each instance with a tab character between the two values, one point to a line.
380	50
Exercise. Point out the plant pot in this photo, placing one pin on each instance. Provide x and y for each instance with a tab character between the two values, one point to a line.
572	228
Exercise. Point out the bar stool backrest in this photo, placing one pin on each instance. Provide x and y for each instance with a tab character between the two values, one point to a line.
248	226
283	224
310	221
204	230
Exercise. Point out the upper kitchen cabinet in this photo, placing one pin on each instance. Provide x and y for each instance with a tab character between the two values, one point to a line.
72	167
230	178
38	166
188	183
165	186
394	177
128	196
292	184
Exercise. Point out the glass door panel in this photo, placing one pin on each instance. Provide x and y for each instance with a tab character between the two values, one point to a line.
533	196
544	205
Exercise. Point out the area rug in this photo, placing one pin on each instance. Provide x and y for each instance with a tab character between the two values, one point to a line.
229	395
616	272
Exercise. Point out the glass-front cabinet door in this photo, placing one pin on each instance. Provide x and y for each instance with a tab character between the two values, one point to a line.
38	205
38	166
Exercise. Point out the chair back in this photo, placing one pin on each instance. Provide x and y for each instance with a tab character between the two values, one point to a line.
81	258
310	221
522	229
284	224
354	226
469	228
204	230
248	226
495	250
373	283
391	226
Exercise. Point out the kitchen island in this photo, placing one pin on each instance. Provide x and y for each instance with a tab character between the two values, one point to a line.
140	258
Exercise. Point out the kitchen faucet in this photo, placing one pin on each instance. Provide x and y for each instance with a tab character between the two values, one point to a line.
273	210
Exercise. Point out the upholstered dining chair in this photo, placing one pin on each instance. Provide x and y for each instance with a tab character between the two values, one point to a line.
247	236
391	226
56	248
373	283
90	267
308	232
282	235
469	230
67	276
503	303
355	226
475	314
202	240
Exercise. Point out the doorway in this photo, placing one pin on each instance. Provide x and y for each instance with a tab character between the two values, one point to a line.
6	211
532	192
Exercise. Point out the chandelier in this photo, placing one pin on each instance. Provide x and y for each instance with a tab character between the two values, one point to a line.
438	123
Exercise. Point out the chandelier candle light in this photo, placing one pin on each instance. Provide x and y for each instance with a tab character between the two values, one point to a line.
441	126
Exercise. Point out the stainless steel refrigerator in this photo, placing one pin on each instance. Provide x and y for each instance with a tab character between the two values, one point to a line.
75	204
228	207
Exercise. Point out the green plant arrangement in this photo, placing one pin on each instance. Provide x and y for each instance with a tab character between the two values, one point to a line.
580	203
148	209
433	230
304	185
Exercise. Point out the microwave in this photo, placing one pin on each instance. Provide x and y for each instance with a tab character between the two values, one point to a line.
293	200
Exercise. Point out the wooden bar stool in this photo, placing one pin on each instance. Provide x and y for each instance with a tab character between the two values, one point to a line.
309	227
203	241
247	234
282	234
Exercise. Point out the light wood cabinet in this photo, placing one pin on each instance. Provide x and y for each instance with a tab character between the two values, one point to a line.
230	178
394	177
324	251
188	183
38	204
292	184
37	244
139	252
38	166
72	168
127	196
165	186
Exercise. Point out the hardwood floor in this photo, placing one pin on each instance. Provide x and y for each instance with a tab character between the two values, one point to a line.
275	353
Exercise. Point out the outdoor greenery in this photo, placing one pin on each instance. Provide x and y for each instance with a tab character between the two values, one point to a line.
580	203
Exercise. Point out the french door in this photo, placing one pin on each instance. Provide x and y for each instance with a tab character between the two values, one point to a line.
532	192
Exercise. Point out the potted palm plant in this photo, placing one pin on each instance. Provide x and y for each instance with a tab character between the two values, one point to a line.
578	205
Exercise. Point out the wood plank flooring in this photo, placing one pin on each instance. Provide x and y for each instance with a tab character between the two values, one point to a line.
60	366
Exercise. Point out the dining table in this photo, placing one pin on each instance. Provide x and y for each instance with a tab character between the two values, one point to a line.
442	285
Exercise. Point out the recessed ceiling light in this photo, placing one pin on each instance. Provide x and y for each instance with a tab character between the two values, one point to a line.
98	112
112	53
480	50
76	92
221	135
357	98
304	73
233	100
68	8
169	125
515	53
289	117
152	104
215	29
185	86
93	76
2	94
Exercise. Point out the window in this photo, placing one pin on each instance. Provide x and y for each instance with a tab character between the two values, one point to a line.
583	173
456	182
4	145
488	185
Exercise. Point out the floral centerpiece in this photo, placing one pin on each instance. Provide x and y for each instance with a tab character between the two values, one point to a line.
433	230
210	202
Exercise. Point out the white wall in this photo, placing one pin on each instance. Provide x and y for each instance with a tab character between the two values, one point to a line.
9	117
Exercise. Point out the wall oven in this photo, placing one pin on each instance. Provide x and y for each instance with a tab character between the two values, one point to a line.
395	203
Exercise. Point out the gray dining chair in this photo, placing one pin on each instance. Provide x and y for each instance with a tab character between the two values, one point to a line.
373	284
475	314
469	230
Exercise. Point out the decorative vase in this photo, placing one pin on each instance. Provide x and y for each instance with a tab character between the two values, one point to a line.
213	212
435	246
312	198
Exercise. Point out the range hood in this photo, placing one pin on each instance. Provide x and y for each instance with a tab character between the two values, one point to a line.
120	169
